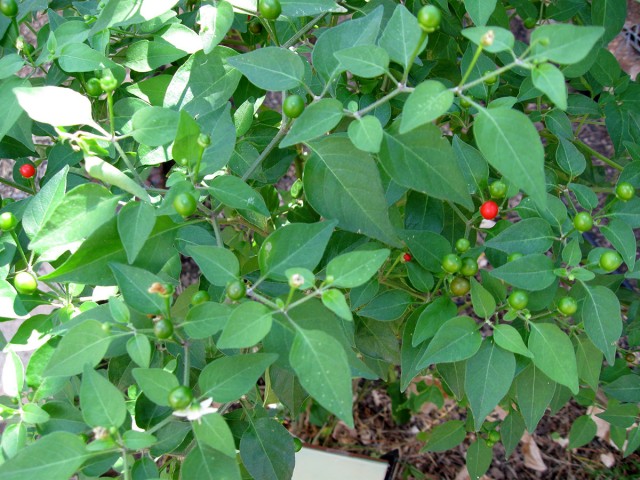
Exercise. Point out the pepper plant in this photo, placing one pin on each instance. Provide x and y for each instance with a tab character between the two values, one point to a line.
424	204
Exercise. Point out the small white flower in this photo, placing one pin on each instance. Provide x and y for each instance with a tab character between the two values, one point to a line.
196	411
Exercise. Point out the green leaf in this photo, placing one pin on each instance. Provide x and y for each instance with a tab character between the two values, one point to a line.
335	301
206	319
134	284
249	323
599	309
474	167
10	64
488	378
566	43
534	391
480	10
107	173
366	61
432	318
228	378
12	375
235	193
294	245
427	102
479	456
511	144
484	305
625	388
81	212
11	105
86	343
270	68
155	126
569	158
56	106
135	223
356	268
316	120
454	376
511	431
185	145
80	57
267	450
623	239
457	339
424	161
139	349
582	431
128	12
589	360
531	235
43	204
205	463
135	440
503	39
621	415
553	354
444	437
218	264
611	15
156	384
531	272
56	456
102	404
389	305
343	183
212	430
509	338
321	365
215	22
550	81
366	133
401	36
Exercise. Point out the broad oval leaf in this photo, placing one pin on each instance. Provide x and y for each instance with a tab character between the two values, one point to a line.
355	268
249	323
56	106
457	339
215	21
101	402
531	272
267	450
206	319
155	126
366	61
270	68
316	120
566	44
427	102
156	384
235	193
218	264
534	391
553	354
532	235
599	309
510	339
134	284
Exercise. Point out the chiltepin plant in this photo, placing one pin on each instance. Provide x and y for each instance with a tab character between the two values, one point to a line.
445	218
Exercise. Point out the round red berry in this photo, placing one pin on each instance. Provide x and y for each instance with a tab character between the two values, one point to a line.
27	170
406	257
489	210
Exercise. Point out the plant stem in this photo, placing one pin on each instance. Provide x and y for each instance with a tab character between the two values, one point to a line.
381	101
303	30
14	235
599	156
415	53
187	364
475	58
274	141
11	184
216	230
126	471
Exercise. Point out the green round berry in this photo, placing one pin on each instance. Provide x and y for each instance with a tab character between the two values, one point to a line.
625	191
269	9
236	290
9	8
567	305
491	79
8	221
204	140
180	397
469	267
25	283
530	23
498	189
108	83
297	444
465	103
462	245
518	299
459	286
451	263
163	329
255	26
185	204
610	260
293	106
583	221
93	87
201	296
429	18
494	436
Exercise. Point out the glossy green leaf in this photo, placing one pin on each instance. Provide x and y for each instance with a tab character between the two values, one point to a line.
569	158
343	183
294	245
205	463
458	339
335	301
321	365
599	309
611	15
502	39
401	36
623	239
620	415
387	306
511	432
44	203
134	284
589	360
553	354
566	44
432	318
488	379
102	403
316	120
156	384
235	193
12	375
426	103
212	430
474	167
228	378
249	323
484	305
534	391
511	144
550	81
582	431
86	343
366	61
366	134
625	388
424	161
215	22
479	456
206	319
480	10
445	436
531	235
139	349
510	339
267	450
355	268
218	264
80	57
185	146
135	223
270	68
155	126
531	272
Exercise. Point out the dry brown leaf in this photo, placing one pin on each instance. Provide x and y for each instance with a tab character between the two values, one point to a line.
463	474
531	453
608	459
603	431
